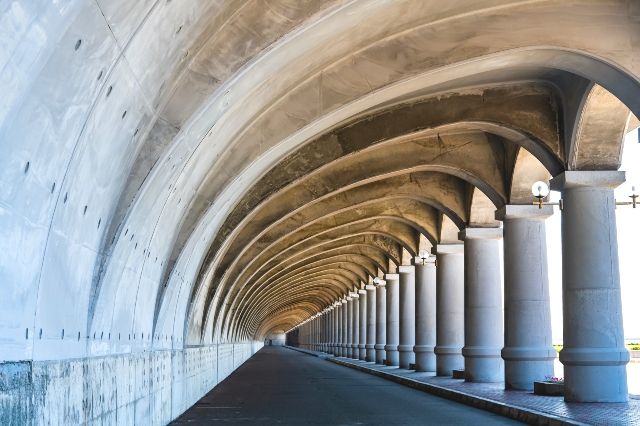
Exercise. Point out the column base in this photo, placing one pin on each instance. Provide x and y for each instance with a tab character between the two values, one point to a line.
370	352
482	364
595	383
520	375
380	354
448	358
406	356
525	365
362	354
392	356
425	358
595	374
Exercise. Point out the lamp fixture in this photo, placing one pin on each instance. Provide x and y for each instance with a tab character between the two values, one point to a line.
634	199
540	191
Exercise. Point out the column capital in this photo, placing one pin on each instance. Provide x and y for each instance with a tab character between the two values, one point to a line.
370	287
588	179
381	283
480	234
362	291
524	211
448	249
405	269
353	295
390	277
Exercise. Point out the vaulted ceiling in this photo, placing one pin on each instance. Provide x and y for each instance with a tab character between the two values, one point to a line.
218	170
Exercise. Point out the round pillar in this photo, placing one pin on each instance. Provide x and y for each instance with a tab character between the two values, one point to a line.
393	320
594	355
483	322
371	324
334	328
528	354
355	326
349	353
343	328
362	341
381	322
425	314
407	337
449	308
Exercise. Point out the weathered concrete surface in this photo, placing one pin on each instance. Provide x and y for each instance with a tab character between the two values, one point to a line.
144	388
281	386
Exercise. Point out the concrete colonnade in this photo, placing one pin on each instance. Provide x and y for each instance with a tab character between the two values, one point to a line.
445	312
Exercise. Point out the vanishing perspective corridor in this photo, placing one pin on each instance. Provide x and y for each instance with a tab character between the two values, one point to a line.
184	182
284	387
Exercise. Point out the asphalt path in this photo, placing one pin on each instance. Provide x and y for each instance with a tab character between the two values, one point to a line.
279	386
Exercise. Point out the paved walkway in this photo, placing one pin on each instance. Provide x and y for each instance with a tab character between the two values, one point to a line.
624	414
284	387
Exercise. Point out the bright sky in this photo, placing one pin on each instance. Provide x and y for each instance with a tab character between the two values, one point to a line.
628	223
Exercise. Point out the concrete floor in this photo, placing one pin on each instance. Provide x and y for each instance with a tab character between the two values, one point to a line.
281	386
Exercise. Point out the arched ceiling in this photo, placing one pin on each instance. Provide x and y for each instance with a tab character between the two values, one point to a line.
215	170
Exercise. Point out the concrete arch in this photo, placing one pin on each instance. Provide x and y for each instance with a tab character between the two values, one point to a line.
369	230
411	153
597	138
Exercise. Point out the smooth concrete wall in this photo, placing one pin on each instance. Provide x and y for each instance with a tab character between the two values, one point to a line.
150	388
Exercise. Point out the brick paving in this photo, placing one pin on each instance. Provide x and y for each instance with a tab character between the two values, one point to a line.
589	413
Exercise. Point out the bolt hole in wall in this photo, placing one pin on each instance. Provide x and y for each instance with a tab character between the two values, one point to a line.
628	226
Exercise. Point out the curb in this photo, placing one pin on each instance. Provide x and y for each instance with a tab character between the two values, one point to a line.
521	414
321	355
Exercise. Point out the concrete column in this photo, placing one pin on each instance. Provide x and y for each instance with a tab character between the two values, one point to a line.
362	341
323	334
381	322
328	329
425	314
338	329
345	327
393	320
355	325
314	333
349	326
594	355
371	324
483	319
449	308
323	331
335	325
334	333
407	336
528	354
